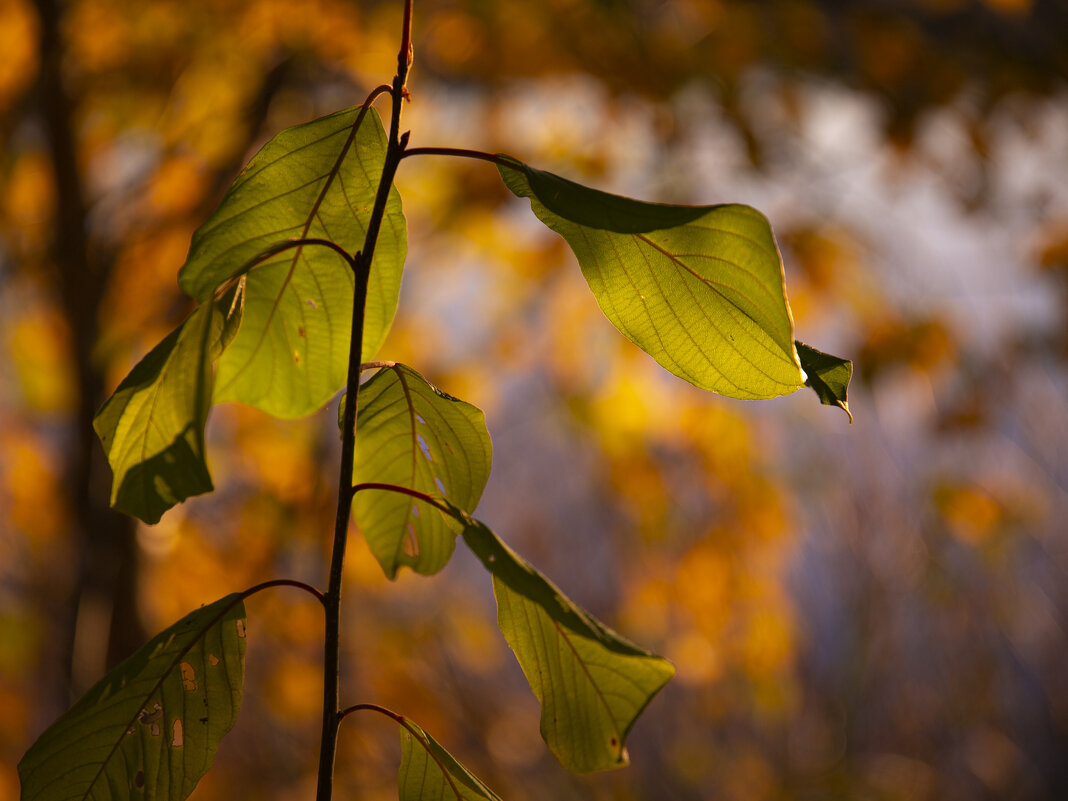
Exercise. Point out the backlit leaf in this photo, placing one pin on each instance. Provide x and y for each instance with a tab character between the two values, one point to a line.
152	427
150	728
430	773
699	288
316	180
827	375
411	434
592	683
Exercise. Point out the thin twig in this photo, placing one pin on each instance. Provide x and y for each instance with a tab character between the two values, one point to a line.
418	736
377	365
300	585
332	600
420	496
456	151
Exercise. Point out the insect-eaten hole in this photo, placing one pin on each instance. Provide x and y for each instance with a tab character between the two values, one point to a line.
139	780
151	718
189	677
424	447
177	734
411	543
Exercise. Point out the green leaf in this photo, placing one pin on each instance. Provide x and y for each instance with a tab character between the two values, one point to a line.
699	288
430	773
152	427
411	434
312	181
592	683
150	728
828	376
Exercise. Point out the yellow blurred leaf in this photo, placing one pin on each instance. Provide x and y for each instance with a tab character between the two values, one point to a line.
99	34
29	489
697	659
38	344
768	644
703	585
178	186
970	513
18	40
30	194
295	688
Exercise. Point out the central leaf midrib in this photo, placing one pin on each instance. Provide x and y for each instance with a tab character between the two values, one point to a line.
298	252
726	339
156	393
413	438
712	286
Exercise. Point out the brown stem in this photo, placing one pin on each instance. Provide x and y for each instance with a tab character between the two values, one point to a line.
406	54
411	493
332	598
418	736
377	365
389	713
266	585
455	151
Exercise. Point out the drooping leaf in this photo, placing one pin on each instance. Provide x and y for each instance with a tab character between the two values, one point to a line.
699	288
316	180
430	773
413	435
152	427
828	376
592	683
150	728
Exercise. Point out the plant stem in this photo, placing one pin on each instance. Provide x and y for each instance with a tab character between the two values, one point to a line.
332	598
455	151
389	713
411	493
300	585
417	735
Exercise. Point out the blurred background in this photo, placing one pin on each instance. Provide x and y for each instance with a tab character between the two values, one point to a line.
876	611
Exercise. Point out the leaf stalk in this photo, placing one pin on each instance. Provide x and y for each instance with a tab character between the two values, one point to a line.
300	585
459	152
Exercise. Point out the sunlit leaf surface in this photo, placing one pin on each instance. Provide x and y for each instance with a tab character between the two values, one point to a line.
152	427
430	773
150	728
827	375
312	181
592	683
699	288
411	434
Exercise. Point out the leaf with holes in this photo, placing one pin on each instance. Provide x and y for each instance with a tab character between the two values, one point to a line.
313	181
699	288
592	683
413	435
828	376
430	773
152	427
150	728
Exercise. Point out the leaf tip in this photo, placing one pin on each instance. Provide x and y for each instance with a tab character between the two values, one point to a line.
844	405
828	376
